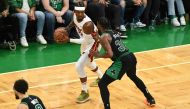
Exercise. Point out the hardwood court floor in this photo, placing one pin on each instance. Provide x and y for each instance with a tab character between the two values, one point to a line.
164	71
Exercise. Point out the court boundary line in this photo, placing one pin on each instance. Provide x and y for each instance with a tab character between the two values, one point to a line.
94	77
95	59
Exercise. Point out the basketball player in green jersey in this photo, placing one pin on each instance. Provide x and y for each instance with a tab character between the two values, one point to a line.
124	61
27	101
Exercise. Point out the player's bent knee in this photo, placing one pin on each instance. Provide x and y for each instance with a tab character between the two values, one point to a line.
94	70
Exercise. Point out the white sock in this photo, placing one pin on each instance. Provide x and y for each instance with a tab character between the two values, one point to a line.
85	87
100	74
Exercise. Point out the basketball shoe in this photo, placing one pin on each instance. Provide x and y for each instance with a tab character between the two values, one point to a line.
83	97
95	83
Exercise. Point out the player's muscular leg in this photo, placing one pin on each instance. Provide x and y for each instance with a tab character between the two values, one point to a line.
81	64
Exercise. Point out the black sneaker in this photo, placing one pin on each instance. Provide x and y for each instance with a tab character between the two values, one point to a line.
151	102
152	25
12	45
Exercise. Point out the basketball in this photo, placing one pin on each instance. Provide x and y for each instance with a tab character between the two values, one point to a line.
61	35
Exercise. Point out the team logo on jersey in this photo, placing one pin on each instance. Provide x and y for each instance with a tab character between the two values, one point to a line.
35	101
113	72
116	35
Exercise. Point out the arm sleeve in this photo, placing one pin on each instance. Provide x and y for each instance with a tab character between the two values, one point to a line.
77	41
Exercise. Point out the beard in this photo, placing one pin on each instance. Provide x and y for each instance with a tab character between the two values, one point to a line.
16	96
80	18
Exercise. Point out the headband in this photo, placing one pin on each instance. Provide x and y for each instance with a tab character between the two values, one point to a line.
79	8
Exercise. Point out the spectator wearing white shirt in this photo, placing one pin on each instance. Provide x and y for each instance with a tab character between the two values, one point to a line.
25	10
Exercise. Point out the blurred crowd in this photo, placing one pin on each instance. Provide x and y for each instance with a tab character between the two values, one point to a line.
23	19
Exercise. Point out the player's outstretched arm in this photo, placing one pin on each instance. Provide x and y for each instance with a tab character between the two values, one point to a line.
105	42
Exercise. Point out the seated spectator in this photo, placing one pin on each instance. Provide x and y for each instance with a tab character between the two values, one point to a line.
121	4
187	6
103	8
163	11
56	11
8	25
134	10
151	11
25	10
172	14
139	9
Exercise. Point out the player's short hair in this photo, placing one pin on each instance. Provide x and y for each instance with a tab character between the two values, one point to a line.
21	86
104	22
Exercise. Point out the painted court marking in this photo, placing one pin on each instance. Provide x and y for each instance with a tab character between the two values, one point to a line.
90	78
96	59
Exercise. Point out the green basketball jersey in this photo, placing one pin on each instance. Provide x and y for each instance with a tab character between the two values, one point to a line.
56	4
33	102
117	45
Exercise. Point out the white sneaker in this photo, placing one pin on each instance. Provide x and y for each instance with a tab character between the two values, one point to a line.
175	22
182	21
122	28
140	24
41	39
23	41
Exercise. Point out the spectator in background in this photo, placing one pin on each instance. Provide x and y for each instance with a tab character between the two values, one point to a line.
103	8
8	24
138	13
163	11
172	14
134	10
94	10
56	11
121	4
25	10
39	5
187	6
151	11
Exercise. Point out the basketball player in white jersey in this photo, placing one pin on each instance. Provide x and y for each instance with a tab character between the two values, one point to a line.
85	28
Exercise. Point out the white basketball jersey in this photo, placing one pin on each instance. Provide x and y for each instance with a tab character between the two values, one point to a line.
88	40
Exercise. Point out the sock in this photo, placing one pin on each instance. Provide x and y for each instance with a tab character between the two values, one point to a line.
85	87
172	16
100	74
181	15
